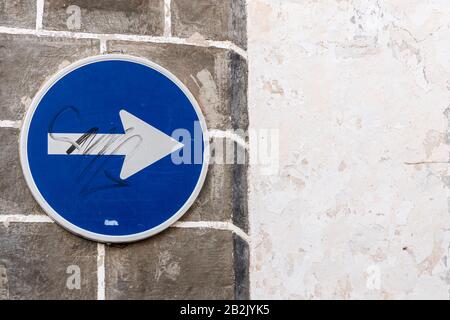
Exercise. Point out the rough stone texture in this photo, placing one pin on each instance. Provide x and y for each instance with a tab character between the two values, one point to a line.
177	264
34	258
18	13
105	16
241	268
359	90
215	201
15	197
212	19
239	121
27	61
204	71
218	81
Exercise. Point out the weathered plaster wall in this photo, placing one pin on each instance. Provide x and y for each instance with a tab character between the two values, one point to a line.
360	91
203	256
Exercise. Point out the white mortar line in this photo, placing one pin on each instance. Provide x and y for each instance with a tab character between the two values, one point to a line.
103	48
10	124
225	134
218	225
167	19
228	45
39	14
100	271
32	218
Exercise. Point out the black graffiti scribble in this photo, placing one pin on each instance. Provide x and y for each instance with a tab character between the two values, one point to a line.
51	126
82	139
117	183
85	144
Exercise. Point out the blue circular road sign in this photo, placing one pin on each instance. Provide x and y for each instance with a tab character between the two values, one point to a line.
114	148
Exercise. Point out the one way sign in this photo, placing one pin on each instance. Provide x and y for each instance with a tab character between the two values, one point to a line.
98	143
141	144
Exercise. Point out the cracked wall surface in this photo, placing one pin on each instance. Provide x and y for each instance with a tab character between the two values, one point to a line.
360	91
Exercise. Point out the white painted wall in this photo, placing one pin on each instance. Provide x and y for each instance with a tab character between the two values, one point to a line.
359	90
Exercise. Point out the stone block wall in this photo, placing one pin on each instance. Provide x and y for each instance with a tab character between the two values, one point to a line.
205	254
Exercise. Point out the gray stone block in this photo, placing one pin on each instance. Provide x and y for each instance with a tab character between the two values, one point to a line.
15	197
217	78
18	13
238	87
214	202
203	70
27	61
239	120
241	268
213	19
103	16
37	261
176	264
238	23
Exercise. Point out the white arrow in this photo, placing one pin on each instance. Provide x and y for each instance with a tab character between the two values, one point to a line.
141	144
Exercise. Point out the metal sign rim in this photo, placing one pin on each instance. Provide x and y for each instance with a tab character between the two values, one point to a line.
23	152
